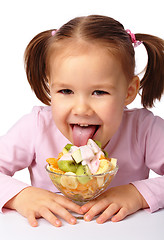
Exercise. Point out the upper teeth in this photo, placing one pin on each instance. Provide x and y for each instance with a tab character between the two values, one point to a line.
83	125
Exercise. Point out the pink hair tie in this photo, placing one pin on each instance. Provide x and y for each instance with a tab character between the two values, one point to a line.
53	32
133	38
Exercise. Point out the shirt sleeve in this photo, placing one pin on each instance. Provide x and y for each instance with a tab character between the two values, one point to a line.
17	151
152	189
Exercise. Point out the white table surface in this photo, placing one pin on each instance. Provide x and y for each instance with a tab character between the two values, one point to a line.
139	226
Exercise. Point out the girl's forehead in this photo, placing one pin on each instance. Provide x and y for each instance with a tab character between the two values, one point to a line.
93	63
79	48
75	47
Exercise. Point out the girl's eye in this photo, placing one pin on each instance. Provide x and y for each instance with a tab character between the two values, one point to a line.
65	91
100	92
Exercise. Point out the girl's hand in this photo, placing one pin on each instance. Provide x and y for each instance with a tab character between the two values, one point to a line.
34	203
116	203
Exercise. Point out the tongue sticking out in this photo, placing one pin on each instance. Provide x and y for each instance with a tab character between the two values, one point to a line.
82	134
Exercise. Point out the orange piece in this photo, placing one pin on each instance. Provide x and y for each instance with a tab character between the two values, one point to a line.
102	157
53	162
81	187
56	170
60	155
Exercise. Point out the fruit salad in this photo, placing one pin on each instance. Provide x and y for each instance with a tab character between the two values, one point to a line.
82	173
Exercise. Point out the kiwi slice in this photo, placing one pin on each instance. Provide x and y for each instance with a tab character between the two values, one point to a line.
83	172
67	165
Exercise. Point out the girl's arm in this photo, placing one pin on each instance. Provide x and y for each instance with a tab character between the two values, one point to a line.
34	203
115	204
119	202
147	193
152	189
17	151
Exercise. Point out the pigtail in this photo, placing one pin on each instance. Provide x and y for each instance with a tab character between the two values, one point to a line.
152	84
35	66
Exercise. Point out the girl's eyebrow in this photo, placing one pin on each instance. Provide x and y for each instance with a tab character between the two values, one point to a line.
59	85
96	86
104	85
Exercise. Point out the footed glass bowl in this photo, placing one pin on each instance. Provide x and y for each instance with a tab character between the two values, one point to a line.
81	189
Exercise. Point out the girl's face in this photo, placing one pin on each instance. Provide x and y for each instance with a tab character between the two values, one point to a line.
88	94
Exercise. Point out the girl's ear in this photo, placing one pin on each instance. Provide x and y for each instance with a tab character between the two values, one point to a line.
132	90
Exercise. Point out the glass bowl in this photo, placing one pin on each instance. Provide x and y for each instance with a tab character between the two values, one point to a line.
81	189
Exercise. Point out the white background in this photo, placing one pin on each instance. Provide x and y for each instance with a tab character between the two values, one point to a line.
21	20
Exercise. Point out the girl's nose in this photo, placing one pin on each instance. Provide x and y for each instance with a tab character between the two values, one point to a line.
82	108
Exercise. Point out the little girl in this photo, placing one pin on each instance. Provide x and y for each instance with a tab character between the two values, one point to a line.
84	72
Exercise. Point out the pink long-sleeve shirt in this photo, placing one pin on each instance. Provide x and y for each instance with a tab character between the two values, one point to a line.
138	146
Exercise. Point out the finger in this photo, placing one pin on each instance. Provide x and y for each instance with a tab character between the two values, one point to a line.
96	209
32	220
87	206
68	204
62	212
50	217
123	212
108	213
90	204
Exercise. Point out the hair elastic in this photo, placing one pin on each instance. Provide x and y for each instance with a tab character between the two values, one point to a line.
133	38
53	32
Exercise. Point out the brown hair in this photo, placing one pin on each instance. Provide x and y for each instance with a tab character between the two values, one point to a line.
102	30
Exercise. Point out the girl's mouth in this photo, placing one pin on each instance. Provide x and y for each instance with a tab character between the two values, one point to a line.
82	132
